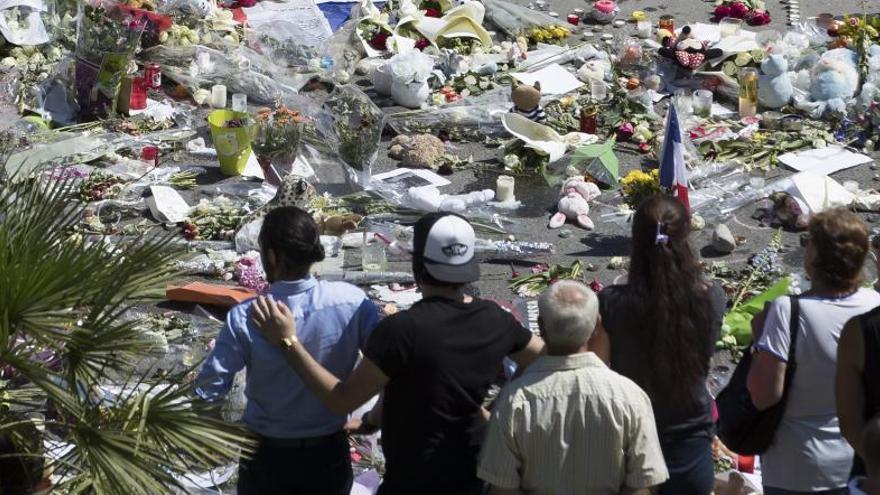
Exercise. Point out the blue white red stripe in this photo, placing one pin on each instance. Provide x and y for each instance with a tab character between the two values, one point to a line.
673	172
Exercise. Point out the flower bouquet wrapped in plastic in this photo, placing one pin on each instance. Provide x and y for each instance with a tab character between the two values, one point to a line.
516	20
107	36
350	120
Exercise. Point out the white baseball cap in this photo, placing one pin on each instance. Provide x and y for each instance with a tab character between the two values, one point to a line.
444	244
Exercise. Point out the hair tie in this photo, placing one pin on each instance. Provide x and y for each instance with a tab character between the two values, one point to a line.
661	237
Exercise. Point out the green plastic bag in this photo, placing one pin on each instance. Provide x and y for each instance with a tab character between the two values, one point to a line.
738	322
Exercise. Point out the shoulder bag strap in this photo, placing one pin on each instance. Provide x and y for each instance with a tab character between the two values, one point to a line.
794	325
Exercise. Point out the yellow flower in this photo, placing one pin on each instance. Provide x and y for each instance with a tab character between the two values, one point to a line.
759	137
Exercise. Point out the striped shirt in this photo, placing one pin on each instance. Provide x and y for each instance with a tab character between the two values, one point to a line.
535	115
569	425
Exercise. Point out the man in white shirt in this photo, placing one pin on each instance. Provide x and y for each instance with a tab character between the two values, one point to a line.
569	424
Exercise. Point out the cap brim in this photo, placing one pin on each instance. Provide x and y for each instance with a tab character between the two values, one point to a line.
454	274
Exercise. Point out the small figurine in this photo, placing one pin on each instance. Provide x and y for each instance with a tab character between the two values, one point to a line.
527	101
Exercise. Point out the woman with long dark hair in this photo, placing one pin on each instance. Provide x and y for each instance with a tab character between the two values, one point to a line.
662	327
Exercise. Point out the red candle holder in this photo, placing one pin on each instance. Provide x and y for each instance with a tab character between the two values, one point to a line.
138	98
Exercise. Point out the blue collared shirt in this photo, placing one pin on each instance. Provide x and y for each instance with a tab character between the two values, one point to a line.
333	322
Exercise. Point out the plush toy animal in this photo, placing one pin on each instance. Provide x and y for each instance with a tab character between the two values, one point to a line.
574	203
430	199
774	86
833	81
417	151
527	101
689	52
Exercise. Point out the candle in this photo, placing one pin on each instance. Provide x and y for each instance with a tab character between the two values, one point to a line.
684	101
239	102
218	96
574	19
644	28
667	22
730	26
703	103
748	92
598	90
504	189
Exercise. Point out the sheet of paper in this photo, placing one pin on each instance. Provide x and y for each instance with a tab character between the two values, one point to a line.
296	20
712	32
167	205
554	79
253	169
411	177
823	160
818	192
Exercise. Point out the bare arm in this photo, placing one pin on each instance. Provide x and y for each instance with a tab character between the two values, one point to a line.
766	380
849	389
276	323
533	349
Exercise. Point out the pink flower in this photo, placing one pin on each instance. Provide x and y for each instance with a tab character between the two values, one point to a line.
759	17
739	10
853	21
625	131
539	268
355	457
596	286
644	148
721	12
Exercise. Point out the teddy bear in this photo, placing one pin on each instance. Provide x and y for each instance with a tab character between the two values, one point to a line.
574	203
527	101
689	52
417	151
775	88
429	198
832	81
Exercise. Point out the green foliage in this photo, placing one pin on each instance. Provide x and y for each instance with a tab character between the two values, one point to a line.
68	359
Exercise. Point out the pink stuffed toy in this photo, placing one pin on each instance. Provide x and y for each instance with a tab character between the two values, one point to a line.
574	203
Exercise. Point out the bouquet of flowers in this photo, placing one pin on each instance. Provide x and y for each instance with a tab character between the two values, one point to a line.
107	37
213	220
638	186
517	20
374	34
277	134
753	12
543	276
352	120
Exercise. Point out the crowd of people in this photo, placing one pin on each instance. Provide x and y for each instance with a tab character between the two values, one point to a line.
611	398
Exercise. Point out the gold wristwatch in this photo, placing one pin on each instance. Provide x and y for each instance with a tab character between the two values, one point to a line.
288	342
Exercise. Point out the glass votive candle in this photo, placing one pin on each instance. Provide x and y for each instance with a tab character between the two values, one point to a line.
644	28
748	92
239	102
218	96
373	258
703	103
683	101
730	26
598	90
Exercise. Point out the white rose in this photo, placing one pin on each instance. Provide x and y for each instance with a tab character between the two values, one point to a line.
163	37
230	39
17	52
7	63
54	53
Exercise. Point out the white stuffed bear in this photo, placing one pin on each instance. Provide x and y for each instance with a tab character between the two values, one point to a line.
774	86
430	199
833	81
574	203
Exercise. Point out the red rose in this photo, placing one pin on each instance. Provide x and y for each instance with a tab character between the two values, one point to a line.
759	17
625	131
644	148
422	44
433	13
380	41
739	10
247	3
721	12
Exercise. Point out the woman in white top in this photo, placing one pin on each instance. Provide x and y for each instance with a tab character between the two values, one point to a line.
808	454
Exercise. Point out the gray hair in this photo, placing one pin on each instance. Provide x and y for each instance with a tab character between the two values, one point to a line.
569	311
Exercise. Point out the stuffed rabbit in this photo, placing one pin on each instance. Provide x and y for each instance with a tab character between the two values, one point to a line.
574	203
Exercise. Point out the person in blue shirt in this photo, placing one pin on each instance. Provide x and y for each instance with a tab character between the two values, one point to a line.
301	447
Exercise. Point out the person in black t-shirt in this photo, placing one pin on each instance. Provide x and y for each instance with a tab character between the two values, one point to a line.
435	362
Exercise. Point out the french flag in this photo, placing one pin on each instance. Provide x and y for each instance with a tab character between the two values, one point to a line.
673	173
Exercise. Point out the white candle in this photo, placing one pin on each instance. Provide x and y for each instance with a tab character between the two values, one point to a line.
644	29
218	96
504	189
